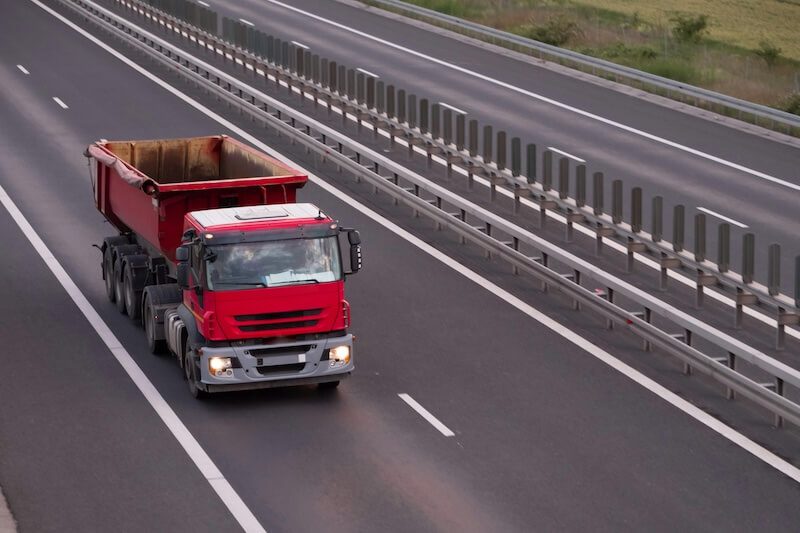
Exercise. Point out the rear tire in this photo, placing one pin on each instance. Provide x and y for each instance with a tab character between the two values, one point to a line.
133	298
155	346
119	290
108	273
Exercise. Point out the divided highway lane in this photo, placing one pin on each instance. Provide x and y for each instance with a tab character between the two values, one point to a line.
546	437
767	208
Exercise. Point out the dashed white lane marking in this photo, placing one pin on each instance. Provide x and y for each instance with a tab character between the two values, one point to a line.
368	73
566	154
230	497
556	103
246	22
722	217
448	106
204	4
424	413
300	45
23	70
60	102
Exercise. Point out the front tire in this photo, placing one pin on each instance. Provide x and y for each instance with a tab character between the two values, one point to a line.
189	370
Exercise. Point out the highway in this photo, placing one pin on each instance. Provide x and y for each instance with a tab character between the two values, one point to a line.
546	435
682	156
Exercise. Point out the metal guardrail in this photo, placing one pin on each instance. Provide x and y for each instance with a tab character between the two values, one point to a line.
491	232
447	135
761	115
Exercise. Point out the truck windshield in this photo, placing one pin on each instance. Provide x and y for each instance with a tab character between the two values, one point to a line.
273	263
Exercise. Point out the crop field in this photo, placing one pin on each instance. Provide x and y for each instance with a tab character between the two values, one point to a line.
746	48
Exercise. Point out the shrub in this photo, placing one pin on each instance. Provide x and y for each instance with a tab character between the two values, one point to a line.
768	52
623	51
557	31
688	27
672	69
791	104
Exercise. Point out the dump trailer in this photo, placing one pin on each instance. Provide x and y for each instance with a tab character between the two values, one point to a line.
221	266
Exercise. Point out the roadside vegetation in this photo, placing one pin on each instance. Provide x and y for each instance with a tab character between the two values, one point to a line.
744	48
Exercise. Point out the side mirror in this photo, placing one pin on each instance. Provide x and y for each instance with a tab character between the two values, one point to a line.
183	275
353	237
355	258
182	254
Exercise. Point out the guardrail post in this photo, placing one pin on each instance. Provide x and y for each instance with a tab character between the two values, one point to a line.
487	144
351	85
502	151
461	134
547	170
580	186
401	107
473	138
380	96
748	257
658	219
270	49
774	269
598	193
307	66
447	126
341	87
797	281
723	247
423	115
370	92
700	237
285	55
436	121
325	73
516	157
361	89
530	163
616	201
636	209
333	83
390	104
411	112
678	227
563	178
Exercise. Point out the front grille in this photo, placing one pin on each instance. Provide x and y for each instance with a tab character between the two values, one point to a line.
280	325
278	316
277	369
281	350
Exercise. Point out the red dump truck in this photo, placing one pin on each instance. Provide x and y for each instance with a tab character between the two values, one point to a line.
224	270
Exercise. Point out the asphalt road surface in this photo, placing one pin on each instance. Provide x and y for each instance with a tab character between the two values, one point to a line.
546	437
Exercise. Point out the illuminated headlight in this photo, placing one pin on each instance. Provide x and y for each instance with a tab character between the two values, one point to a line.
340	354
220	366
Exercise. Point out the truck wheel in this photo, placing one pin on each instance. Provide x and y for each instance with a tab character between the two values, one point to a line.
189	369
328	385
133	284
156	346
108	273
119	290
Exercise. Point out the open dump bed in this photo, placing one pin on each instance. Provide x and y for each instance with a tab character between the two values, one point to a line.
146	187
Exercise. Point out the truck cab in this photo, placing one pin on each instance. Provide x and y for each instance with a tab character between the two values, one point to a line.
263	298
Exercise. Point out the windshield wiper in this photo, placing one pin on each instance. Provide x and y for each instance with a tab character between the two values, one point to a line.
294	282
247	283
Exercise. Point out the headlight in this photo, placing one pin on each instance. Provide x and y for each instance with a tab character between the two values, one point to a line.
340	354
219	365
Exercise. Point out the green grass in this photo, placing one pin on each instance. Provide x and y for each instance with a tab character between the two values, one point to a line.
727	58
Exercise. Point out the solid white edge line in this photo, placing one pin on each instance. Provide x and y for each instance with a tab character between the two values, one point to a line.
448	106
368	73
662	392
301	45
246	22
229	497
722	217
566	154
424	413
556	103
23	70
60	102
